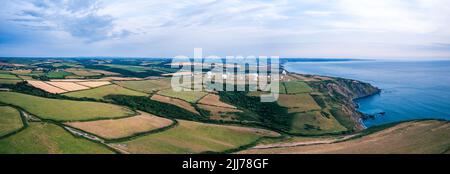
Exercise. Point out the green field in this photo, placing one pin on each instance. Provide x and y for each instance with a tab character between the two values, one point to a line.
192	137
82	72
44	138
295	87
147	86
10	120
58	75
129	67
298	102
9	81
188	96
315	123
63	110
8	76
100	92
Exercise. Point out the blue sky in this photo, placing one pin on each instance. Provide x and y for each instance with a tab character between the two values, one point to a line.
413	29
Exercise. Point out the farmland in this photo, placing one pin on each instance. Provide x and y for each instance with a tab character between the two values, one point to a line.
9	81
97	99
220	113
10	120
147	86
192	137
125	127
44	138
101	92
64	110
58	75
214	100
298	102
188	96
295	87
8	76
417	137
315	123
176	102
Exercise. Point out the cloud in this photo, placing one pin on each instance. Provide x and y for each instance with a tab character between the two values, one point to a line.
287	28
79	18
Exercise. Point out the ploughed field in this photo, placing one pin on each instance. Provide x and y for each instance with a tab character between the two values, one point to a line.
128	106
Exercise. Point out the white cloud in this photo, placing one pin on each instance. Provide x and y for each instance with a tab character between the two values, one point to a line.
288	28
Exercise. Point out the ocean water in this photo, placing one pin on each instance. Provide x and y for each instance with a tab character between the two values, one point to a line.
410	89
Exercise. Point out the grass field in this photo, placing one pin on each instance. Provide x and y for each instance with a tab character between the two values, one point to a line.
10	120
214	100
298	102
295	87
63	110
120	128
177	102
417	137
129	67
44	138
220	113
192	137
58	75
188	96
100	92
314	123
9	81
8	76
147	86
82	72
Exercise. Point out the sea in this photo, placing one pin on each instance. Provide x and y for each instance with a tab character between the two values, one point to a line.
411	90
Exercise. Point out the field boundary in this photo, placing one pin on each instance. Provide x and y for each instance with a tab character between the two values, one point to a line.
22	118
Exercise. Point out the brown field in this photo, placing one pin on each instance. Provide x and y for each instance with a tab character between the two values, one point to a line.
420	137
68	80
120	128
177	102
298	102
68	86
81	72
94	84
220	113
21	72
46	87
104	72
214	100
120	79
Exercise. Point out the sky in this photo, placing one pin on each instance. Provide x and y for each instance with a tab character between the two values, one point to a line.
384	29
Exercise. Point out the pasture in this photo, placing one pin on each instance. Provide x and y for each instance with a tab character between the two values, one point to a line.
192	137
214	100
189	96
58	75
177	102
8	76
296	87
45	138
298	102
101	92
10	120
147	86
416	137
64	110
9	81
315	123
125	127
